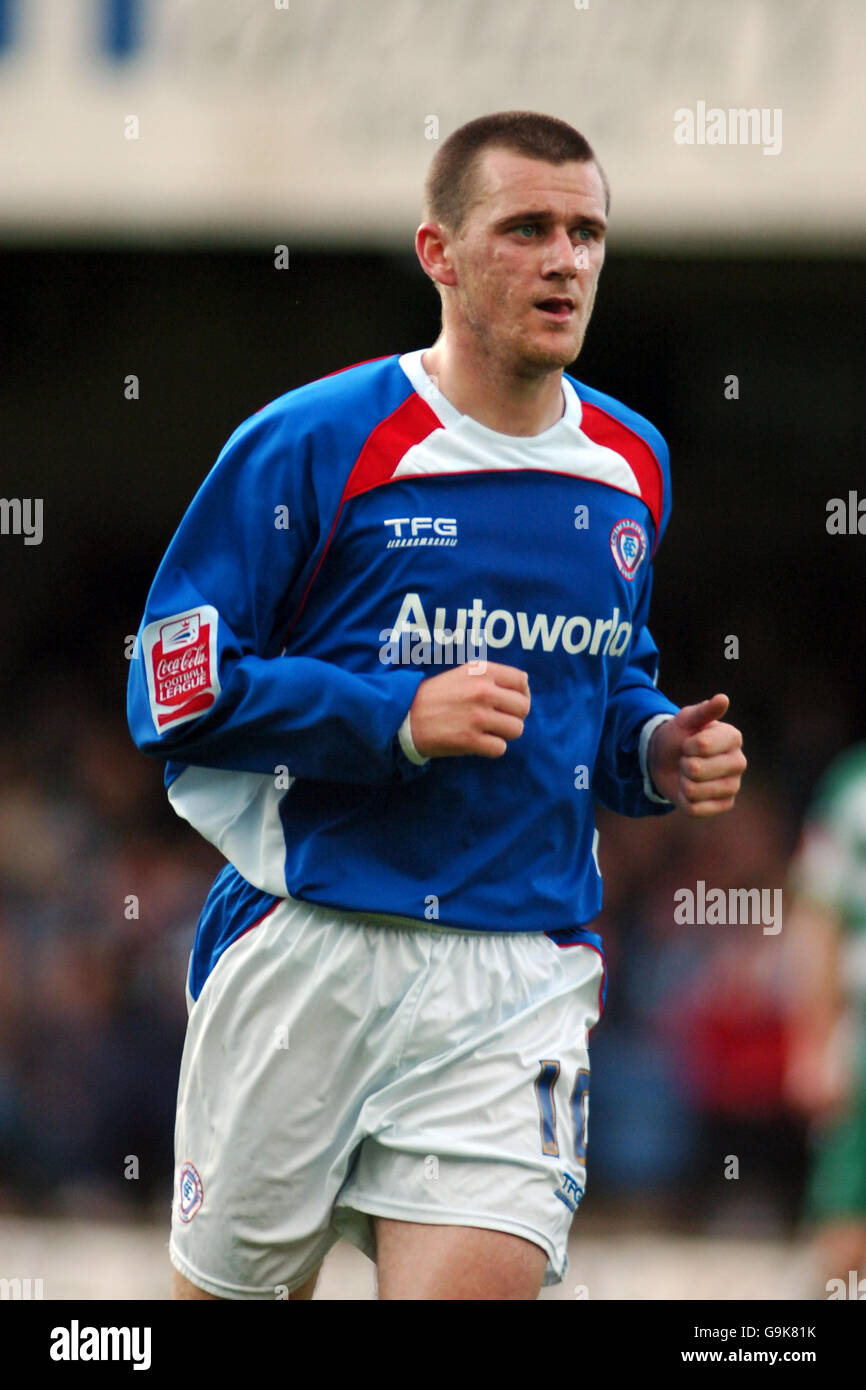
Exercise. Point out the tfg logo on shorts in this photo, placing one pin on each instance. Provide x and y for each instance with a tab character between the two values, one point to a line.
570	1191
76	1343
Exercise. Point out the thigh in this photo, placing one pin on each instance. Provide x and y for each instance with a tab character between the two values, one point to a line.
273	1081
485	1126
417	1261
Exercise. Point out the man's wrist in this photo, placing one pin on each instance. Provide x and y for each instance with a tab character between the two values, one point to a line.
407	743
649	728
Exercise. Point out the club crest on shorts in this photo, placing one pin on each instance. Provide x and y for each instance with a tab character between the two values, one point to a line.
191	1192
628	545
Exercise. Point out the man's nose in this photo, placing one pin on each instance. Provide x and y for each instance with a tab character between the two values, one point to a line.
561	256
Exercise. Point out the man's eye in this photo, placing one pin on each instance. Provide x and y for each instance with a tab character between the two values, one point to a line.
526	227
586	232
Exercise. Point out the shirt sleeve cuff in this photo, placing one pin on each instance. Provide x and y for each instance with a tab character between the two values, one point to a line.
404	734
647	732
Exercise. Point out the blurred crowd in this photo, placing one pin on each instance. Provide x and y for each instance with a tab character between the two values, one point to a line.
100	890
689	1115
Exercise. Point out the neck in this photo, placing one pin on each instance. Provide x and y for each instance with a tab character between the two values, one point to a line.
493	392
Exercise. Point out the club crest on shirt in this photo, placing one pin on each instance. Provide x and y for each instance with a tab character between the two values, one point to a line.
191	1192
628	545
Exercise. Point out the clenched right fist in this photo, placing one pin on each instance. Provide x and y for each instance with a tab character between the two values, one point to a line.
478	707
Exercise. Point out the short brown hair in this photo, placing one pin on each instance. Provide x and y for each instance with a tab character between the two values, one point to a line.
450	186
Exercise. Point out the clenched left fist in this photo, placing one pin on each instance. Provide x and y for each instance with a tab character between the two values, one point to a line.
696	761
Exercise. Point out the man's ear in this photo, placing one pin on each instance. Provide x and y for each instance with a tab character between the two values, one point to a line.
431	247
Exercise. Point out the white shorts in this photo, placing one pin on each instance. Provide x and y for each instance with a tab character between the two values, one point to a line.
336	1068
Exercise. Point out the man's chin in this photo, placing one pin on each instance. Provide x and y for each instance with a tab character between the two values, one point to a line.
553	355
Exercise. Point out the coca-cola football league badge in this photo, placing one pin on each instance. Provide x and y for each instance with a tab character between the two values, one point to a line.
180	656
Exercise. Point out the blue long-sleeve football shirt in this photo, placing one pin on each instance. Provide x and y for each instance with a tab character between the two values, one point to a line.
355	537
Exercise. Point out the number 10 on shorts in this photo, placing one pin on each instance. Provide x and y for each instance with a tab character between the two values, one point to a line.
548	1074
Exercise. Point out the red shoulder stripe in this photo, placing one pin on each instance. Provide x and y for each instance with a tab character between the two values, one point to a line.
380	454
606	430
387	444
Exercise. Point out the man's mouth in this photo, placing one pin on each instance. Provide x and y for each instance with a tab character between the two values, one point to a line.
559	307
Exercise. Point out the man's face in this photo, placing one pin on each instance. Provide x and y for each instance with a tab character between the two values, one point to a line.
533	239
